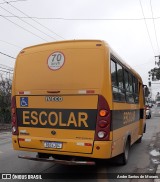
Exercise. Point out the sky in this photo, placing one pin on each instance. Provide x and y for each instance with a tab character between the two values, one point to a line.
130	27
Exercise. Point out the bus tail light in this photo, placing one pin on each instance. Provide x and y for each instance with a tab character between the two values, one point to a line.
14	116
103	120
102	134
102	123
103	112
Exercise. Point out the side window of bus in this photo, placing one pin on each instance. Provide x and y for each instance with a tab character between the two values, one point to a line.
128	79
117	82
126	82
135	87
113	74
124	85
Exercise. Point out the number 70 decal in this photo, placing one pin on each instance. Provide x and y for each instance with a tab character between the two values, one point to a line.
56	61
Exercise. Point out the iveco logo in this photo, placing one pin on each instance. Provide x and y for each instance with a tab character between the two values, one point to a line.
54	99
53	132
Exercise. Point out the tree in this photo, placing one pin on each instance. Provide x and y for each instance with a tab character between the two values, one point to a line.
5	100
158	74
154	74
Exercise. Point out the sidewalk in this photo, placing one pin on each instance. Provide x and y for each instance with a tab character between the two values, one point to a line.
155	154
5	127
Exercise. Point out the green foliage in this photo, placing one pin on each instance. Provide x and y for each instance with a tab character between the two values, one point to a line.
158	74
154	74
5	100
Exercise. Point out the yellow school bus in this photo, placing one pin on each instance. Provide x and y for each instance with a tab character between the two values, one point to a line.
74	102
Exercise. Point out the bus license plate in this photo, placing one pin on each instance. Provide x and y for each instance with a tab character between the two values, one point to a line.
55	145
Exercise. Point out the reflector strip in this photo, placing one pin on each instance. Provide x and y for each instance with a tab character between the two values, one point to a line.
80	143
82	91
27	140
83	144
86	91
90	91
88	144
24	92
22	131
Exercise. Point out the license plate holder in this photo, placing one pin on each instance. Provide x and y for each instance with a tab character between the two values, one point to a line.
54	145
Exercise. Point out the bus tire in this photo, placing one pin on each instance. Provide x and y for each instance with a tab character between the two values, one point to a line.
144	131
123	158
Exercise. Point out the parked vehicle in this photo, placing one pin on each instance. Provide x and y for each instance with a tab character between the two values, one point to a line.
148	112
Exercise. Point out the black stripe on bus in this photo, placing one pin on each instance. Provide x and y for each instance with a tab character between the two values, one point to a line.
73	118
77	119
121	118
142	114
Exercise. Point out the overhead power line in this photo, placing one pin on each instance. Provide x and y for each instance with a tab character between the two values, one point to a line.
82	19
13	1
23	28
154	27
28	23
35	20
11	44
5	67
7	55
6	71
147	27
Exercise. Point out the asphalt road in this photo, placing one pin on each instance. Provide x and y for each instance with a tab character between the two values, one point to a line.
144	158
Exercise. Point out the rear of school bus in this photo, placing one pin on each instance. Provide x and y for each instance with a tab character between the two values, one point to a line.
58	104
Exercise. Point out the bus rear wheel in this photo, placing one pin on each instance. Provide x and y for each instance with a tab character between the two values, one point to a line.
123	158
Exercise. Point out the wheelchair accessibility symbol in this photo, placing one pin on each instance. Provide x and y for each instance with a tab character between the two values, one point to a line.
24	101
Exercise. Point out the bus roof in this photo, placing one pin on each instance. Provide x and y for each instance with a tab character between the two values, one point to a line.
79	44
66	44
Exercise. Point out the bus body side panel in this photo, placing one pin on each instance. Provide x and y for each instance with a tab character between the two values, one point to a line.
125	122
126	117
120	135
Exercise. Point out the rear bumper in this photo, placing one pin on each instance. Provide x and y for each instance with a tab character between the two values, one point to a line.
101	150
64	162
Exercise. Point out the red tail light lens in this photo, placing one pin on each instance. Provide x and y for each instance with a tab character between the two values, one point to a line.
103	120
14	117
102	123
